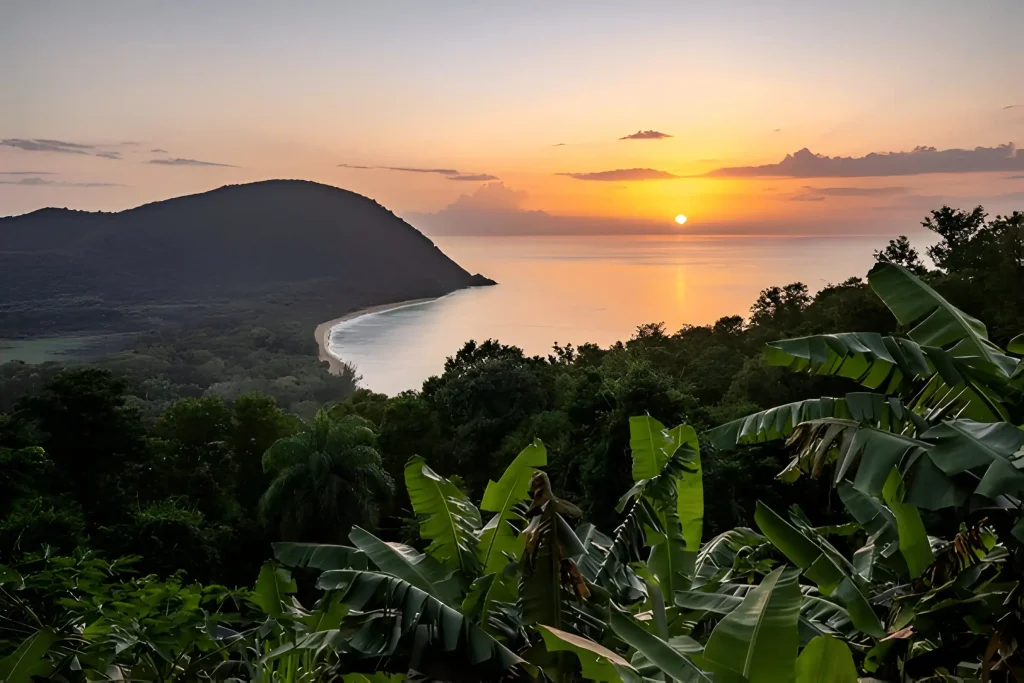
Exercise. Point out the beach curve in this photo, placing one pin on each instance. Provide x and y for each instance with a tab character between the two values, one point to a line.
322	333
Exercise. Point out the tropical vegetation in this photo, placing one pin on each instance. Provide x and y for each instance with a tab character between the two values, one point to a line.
874	532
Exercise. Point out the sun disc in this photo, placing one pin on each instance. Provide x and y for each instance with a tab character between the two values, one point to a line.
680	219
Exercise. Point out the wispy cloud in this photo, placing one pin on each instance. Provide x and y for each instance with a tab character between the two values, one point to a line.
646	135
806	198
1016	177
439	171
159	151
474	177
59	146
1013	106
623	174
44	182
856	191
449	173
919	161
187	162
27	173
559	144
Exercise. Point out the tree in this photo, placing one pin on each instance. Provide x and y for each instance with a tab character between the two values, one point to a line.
325	479
901	253
89	433
957	228
256	423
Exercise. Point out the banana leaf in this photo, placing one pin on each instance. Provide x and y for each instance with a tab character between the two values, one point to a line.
826	660
884	412
319	556
405	563
936	322
759	639
29	659
597	663
499	538
272	587
447	518
822	564
413	629
656	650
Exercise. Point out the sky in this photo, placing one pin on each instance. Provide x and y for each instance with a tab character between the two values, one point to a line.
525	117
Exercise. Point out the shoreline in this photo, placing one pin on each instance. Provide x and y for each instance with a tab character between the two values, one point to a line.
322	331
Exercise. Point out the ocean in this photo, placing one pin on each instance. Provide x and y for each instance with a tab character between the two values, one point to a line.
586	289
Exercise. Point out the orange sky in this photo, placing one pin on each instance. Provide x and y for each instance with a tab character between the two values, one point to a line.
270	90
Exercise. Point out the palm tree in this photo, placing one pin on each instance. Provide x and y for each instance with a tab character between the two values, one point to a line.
326	479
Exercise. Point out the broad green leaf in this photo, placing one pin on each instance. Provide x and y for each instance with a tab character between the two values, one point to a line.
652	446
9	575
914	544
936	321
498	536
759	639
407	619
1016	345
826	660
447	517
656	650
878	410
902	367
713	603
822	564
29	659
402	562
690	493
669	559
597	662
319	556
876	519
985	448
272	586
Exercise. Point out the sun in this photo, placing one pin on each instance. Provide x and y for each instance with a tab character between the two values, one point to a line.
680	219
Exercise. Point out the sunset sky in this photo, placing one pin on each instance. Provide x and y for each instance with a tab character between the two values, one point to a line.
107	105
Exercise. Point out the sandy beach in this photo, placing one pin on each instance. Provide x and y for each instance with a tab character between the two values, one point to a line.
323	329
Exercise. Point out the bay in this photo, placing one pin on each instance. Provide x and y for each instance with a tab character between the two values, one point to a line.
586	289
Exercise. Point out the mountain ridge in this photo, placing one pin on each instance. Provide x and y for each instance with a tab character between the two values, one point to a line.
325	249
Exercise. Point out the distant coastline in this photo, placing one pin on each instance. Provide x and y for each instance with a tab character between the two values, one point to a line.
322	333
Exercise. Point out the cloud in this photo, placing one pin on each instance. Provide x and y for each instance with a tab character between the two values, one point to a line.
27	173
623	174
439	171
558	144
922	160
159	151
1016	177
1013	106
449	173
490	197
187	162
39	182
474	177
60	146
806	198
855	191
646	135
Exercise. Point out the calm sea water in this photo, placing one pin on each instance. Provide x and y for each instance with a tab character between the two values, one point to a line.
592	289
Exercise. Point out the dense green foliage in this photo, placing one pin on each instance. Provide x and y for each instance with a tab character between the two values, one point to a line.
910	569
224	353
